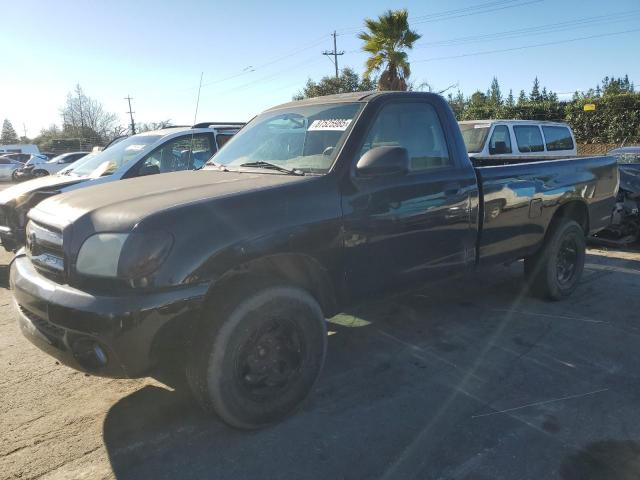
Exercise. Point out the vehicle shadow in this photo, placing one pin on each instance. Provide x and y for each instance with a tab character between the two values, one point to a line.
158	432
4	276
604	460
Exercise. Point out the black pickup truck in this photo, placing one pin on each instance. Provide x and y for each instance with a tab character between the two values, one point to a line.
312	206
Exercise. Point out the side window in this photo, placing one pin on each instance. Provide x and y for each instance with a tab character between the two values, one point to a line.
557	138
71	158
414	126
223	138
500	142
183	153
529	138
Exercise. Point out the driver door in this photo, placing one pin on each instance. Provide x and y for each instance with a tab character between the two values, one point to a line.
411	227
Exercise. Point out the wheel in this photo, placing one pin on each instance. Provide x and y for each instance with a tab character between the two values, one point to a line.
257	352
555	270
14	176
40	173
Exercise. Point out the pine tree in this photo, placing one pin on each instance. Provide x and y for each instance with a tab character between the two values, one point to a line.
522	98
510	101
534	96
544	96
8	135
494	94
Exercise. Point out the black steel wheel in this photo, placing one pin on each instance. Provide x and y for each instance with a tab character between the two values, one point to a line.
257	352
555	270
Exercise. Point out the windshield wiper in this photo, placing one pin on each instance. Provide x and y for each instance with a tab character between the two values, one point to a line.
273	166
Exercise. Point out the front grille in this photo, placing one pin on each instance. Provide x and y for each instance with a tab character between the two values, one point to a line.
44	248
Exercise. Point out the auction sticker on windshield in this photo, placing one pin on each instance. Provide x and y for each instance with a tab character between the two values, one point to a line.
340	124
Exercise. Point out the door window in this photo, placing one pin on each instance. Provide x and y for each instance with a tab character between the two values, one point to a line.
500	142
558	138
529	138
414	126
183	153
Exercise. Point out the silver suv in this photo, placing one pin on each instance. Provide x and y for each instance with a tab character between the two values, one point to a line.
161	151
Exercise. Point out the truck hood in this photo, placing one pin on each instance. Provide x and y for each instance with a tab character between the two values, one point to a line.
50	182
119	206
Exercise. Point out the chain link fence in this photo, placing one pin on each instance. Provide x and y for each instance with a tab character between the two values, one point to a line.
591	149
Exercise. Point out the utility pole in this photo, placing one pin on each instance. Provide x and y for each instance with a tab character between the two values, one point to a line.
335	53
133	125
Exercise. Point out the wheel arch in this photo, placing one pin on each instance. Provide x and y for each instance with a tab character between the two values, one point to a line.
297	269
576	210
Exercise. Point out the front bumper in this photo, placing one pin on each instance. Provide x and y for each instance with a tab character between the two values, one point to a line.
68	323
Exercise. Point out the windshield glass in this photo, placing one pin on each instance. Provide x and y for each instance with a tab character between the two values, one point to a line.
474	135
109	160
305	138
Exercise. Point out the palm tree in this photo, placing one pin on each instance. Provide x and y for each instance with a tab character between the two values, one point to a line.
386	42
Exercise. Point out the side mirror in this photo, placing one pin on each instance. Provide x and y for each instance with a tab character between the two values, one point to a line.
500	148
384	160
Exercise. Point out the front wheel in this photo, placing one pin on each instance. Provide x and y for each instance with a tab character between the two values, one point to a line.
555	270
257	354
40	173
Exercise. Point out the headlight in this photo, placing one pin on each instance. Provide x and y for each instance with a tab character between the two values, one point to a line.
100	254
123	255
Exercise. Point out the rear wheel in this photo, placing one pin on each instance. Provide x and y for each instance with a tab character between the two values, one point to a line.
555	270
257	354
40	173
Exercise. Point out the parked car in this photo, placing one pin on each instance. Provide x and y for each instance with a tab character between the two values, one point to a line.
499	142
313	205
19	157
7	167
625	221
30	163
160	151
42	169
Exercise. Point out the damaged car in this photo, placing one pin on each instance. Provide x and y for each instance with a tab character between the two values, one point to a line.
625	220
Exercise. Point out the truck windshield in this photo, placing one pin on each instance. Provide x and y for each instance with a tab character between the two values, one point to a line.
474	135
109	160
305	138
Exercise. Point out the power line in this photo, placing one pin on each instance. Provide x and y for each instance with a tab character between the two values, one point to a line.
133	125
335	53
478	9
545	44
534	30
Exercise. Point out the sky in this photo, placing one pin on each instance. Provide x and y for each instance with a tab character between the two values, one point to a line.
256	54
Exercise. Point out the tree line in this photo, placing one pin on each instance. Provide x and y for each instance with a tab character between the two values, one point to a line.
612	116
85	123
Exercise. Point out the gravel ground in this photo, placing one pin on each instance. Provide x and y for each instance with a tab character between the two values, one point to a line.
468	379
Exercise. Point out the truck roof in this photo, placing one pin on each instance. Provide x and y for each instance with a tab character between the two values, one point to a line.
511	121
350	98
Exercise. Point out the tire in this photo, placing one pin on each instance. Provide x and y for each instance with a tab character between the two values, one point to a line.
555	270
256	353
40	173
14	176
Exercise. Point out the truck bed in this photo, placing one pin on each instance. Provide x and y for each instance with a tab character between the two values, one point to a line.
519	200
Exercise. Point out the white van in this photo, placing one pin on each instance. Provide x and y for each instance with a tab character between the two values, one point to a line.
493	142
